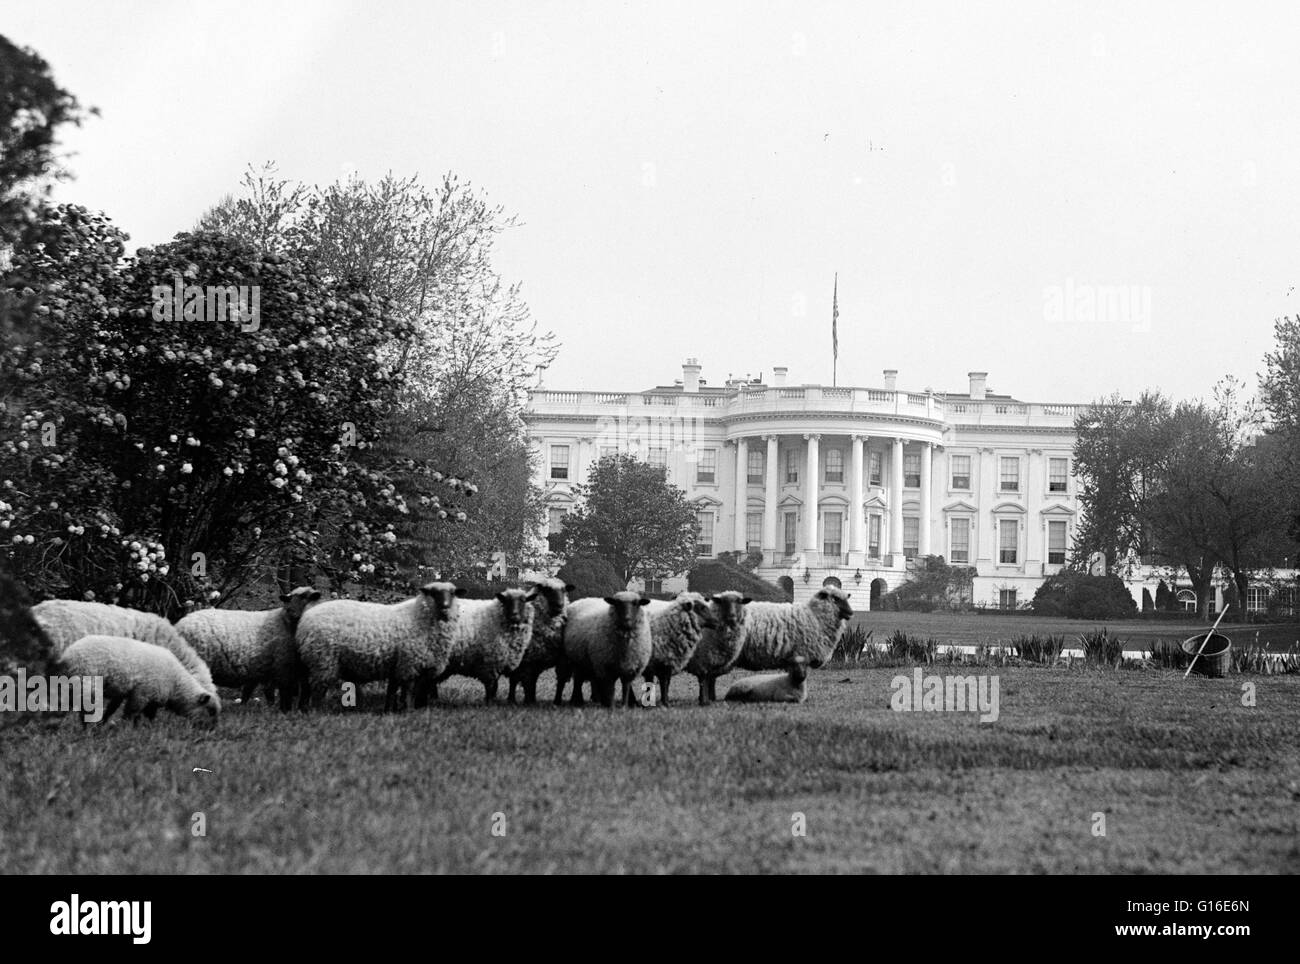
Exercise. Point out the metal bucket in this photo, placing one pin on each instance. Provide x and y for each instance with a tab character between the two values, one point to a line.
1215	656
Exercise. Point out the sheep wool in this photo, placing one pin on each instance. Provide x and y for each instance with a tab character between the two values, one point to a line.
68	620
778	633
788	687
246	648
676	627
720	645
490	638
363	642
547	643
605	641
143	675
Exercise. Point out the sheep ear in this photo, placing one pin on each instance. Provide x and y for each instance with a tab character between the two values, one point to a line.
313	595
569	587
502	597
204	699
643	601
461	592
746	600
611	600
284	597
531	595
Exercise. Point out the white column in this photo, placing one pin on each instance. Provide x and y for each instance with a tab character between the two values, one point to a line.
857	521
810	495
985	527
924	547
896	500
771	548
742	491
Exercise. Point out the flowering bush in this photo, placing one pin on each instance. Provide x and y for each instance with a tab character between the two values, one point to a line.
163	456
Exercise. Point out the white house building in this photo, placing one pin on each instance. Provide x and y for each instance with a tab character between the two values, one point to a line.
835	483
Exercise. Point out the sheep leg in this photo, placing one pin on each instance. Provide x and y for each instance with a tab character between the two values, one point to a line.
113	703
713	689
530	689
514	684
420	692
578	699
561	681
391	697
490	689
704	689
665	678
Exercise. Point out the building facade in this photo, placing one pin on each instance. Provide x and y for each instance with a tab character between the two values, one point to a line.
839	485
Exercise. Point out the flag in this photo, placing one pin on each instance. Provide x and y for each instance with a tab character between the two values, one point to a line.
835	323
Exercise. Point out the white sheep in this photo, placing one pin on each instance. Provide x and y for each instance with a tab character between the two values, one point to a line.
605	642
246	648
363	642
788	687
68	620
676	627
488	641
143	675
719	646
777	633
547	643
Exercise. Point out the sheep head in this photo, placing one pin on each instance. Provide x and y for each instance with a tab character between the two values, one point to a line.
729	608
515	608
626	610
442	597
296	603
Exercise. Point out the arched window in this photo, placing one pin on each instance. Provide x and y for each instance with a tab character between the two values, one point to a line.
832	582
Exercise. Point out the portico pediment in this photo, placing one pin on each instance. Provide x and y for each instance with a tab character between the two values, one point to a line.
961	505
1004	508
1057	509
790	500
706	501
875	502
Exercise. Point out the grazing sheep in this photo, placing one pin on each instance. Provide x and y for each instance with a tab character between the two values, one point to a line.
246	648
547	643
146	676
363	642
788	687
605	641
675	631
777	633
489	640
719	647
68	620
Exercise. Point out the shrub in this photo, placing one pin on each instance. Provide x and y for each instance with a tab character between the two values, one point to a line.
914	649
590	576
933	584
719	575
851	645
1102	648
1168	654
1081	596
1038	649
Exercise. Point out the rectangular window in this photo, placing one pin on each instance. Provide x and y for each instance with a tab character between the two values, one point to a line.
911	471
1256	599
791	465
555	521
833	533
1056	543
655	584
755	468
753	531
1058	473
657	456
1008	541
960	471
911	536
607	450
791	527
706	470
873	536
834	465
1010	477
1006	599
873	468
704	543
559	461
960	542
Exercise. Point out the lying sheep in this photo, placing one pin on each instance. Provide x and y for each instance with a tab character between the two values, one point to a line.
675	631
248	649
67	620
719	646
788	687
488	641
362	642
143	675
777	633
605	642
547	643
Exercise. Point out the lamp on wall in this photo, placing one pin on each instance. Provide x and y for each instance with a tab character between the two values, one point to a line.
857	576
806	574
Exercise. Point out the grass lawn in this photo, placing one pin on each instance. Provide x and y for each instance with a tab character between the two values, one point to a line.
971	629
1188	779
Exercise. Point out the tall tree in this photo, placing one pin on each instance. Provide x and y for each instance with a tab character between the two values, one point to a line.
1280	394
631	515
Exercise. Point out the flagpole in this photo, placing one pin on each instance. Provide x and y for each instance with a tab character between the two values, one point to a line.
835	332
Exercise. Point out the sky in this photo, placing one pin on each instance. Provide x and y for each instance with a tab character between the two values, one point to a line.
1080	199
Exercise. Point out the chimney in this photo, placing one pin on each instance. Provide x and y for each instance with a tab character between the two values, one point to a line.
778	375
891	379
978	384
691	375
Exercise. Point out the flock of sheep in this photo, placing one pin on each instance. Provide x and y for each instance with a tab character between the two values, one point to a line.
307	647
